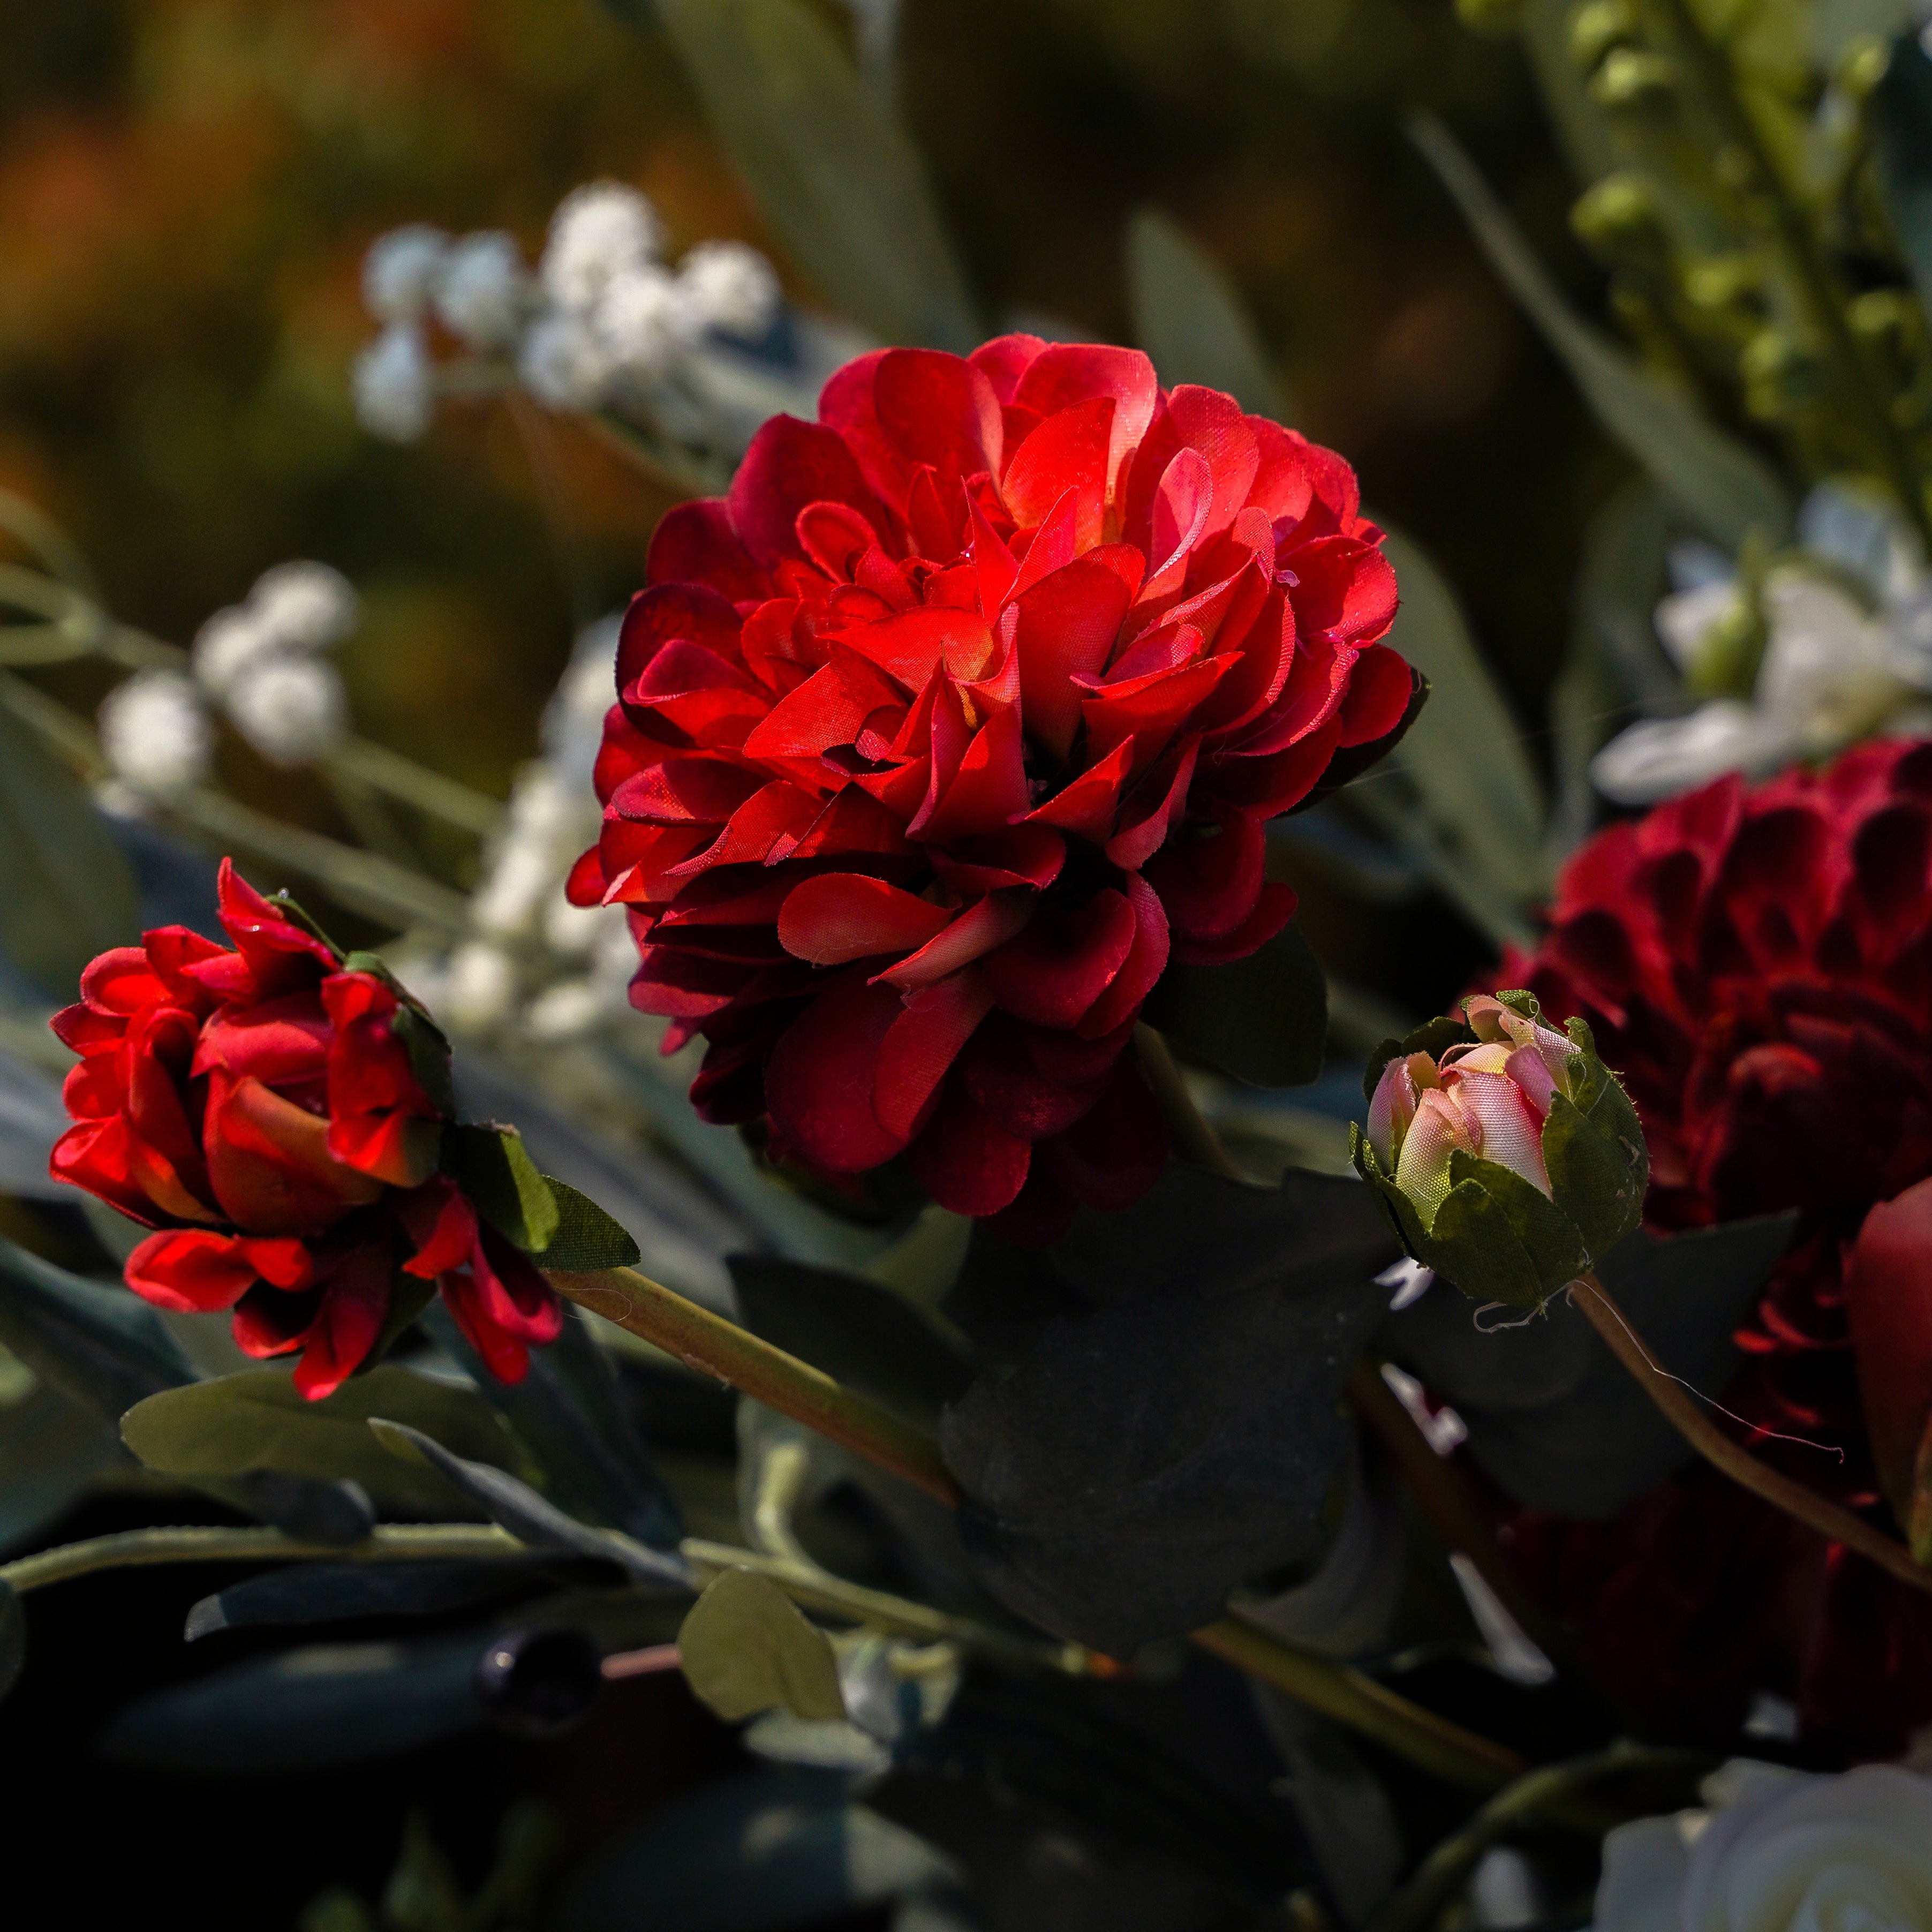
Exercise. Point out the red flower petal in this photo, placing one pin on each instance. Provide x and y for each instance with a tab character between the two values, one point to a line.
819	1082
1054	971
965	1162
841	916
921	1045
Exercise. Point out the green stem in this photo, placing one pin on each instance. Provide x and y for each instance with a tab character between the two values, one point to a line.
709	1344
427	790
1195	1138
1810	267
1549	1794
129	1547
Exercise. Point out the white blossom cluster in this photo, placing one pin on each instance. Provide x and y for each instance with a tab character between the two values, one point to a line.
604	320
261	661
532	958
1845	627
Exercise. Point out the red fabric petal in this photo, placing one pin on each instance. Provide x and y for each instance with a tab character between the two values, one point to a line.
965	1162
196	1271
269	1162
1889	1297
1210	881
973	934
1379	684
694	543
355	1305
789	465
1052	972
921	1045
1120	1005
1067	452
1116	1151
838	917
1068	623
819	1080
1274	907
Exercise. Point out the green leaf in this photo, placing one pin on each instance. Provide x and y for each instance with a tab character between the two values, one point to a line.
1474	1245
1726	489
238	1424
1490	807
66	891
100	1346
51	1451
843	188
746	1647
325	1593
1191	319
13	1637
1598	1166
493	1168
1263	1019
512	1504
587	1239
1904	104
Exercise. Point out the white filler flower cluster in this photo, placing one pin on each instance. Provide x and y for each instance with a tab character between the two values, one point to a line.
262	661
1846	629
604	319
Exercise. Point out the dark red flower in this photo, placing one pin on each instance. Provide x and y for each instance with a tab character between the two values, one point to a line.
1756	964
262	1109
953	723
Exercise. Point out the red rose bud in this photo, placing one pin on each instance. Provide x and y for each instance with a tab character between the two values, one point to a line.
278	1114
1888	1298
1505	1153
952	724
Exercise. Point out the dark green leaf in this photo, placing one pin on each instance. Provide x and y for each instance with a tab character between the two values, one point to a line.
1552	1415
13	1637
1724	488
756	1853
66	892
569	1412
490	1165
1191	319
1905	157
844	189
1547	1236
512	1504
101	1347
322	1593
1596	1165
1263	1019
307	1710
1169	1424
32	1119
51	1450
429	1056
257	1420
746	1647
859	1334
587	1238
1474	1246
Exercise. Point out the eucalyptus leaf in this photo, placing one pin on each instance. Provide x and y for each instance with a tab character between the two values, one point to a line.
492	1166
1553	1417
569	1412
746	1647
1191	319
66	891
775	1849
1726	489
1904	111
309	1709
1263	1019
859	1334
322	1593
512	1504
842	187
51	1451
32	1119
1160	1419
257	1420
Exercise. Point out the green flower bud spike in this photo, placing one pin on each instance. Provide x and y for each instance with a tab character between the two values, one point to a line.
1505	1154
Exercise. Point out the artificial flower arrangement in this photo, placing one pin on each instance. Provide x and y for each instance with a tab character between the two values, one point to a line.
881	952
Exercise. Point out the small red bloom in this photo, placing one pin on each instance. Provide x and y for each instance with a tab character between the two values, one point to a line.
951	725
1756	964
259	1108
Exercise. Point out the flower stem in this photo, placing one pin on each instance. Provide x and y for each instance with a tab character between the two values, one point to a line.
1195	1138
713	1346
1780	1491
128	1547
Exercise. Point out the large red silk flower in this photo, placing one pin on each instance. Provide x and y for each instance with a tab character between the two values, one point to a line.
257	1108
953	723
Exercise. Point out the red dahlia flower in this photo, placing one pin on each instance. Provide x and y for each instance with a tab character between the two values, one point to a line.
954	722
277	1115
1757	965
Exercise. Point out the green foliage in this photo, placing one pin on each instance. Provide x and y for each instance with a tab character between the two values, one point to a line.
745	1647
490	1165
586	1239
842	187
66	892
1191	319
237	1424
1263	1019
327	1593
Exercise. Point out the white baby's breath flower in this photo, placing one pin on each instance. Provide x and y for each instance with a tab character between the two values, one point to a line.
573	721
155	734
1686	618
730	287
643	321
566	1011
1659	757
1778	1850
563	363
395	387
599	231
401	272
232	639
574	931
480	987
485	293
305	606
291	708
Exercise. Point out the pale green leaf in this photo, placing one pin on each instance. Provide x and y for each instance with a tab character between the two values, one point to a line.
746	1647
1191	319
